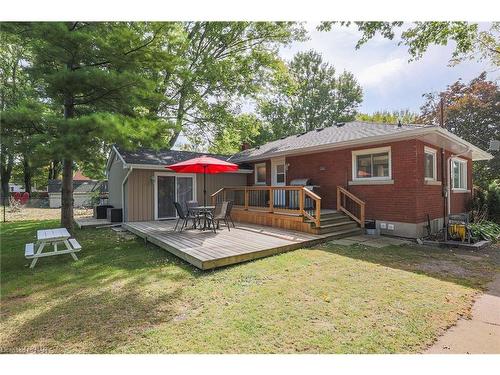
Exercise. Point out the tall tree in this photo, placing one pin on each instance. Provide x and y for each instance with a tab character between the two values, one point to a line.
220	63
471	111
98	78
390	117
310	96
471	42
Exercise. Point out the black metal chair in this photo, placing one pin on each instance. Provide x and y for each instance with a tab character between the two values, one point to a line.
190	205
219	214
229	209
184	216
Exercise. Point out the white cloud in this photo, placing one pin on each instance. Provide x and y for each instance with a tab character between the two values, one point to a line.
381	73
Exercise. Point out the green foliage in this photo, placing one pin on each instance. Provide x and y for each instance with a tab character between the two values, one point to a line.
244	128
472	112
221	63
309	95
486	230
493	201
469	41
387	117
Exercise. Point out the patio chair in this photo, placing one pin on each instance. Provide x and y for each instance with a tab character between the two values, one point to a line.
220	214
229	209
189	209
184	216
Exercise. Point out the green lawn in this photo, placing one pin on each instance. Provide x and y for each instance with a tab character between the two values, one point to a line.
122	296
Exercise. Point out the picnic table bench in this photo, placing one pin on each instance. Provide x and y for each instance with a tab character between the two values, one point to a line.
52	237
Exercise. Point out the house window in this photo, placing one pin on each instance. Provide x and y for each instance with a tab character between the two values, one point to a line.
280	173
372	164
430	164
260	174
459	174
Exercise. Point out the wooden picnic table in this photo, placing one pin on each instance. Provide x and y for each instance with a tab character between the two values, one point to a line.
54	237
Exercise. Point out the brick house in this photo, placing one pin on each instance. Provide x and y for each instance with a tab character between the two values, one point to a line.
397	176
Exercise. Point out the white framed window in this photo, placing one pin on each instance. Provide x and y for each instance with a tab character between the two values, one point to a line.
260	173
459	174
430	164
372	164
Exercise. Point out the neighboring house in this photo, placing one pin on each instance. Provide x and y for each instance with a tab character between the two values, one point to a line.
15	188
401	175
84	189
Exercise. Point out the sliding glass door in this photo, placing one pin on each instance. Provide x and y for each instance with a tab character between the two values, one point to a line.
170	188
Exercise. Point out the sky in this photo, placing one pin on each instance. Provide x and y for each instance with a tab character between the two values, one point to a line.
389	81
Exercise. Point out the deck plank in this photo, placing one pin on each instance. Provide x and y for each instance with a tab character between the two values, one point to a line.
207	250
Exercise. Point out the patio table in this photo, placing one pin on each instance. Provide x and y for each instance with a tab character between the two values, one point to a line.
54	237
204	211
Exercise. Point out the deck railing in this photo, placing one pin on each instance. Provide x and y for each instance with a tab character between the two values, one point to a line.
351	205
293	200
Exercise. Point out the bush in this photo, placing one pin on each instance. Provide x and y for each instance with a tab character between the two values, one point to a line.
493	201
486	230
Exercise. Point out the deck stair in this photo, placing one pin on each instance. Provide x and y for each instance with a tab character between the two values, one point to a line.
337	223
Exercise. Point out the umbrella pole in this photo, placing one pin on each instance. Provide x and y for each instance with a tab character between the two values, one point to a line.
204	185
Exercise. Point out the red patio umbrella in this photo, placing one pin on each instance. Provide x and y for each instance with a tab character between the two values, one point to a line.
203	164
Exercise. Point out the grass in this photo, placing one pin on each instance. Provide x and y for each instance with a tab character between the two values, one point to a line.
125	297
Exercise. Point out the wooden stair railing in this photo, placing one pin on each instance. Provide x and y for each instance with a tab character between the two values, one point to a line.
273	199
343	197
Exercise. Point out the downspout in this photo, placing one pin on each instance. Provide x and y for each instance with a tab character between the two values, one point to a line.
123	192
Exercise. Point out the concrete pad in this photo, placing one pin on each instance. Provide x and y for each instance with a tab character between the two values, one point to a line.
376	244
361	238
343	242
479	335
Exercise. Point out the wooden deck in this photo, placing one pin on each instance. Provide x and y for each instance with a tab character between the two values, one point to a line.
207	250
90	222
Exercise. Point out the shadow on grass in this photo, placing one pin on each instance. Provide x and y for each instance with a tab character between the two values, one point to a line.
457	266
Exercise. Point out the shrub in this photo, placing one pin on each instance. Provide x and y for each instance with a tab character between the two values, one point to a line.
493	201
486	230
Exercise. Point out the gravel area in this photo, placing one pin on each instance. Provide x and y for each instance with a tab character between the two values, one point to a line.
41	214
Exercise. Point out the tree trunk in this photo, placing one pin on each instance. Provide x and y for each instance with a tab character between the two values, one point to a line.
27	174
178	120
7	162
54	169
67	178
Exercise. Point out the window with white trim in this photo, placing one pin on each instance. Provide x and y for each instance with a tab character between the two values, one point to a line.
260	173
430	164
459	174
372	164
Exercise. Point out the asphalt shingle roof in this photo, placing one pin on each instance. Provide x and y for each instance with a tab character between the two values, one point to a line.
79	186
161	157
321	137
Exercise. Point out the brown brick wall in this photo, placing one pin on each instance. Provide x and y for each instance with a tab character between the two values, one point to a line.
408	199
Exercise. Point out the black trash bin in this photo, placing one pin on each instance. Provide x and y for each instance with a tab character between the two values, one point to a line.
114	215
101	211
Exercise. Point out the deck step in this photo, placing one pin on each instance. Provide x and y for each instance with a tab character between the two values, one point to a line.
332	228
330	220
342	233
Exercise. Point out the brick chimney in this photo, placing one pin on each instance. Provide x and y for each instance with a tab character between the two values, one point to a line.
245	146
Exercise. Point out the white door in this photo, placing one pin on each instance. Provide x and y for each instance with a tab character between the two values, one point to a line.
278	178
170	188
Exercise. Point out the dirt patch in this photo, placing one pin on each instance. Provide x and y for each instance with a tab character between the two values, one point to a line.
442	266
43	214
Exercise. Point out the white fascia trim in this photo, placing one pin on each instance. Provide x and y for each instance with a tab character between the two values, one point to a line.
123	192
482	155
